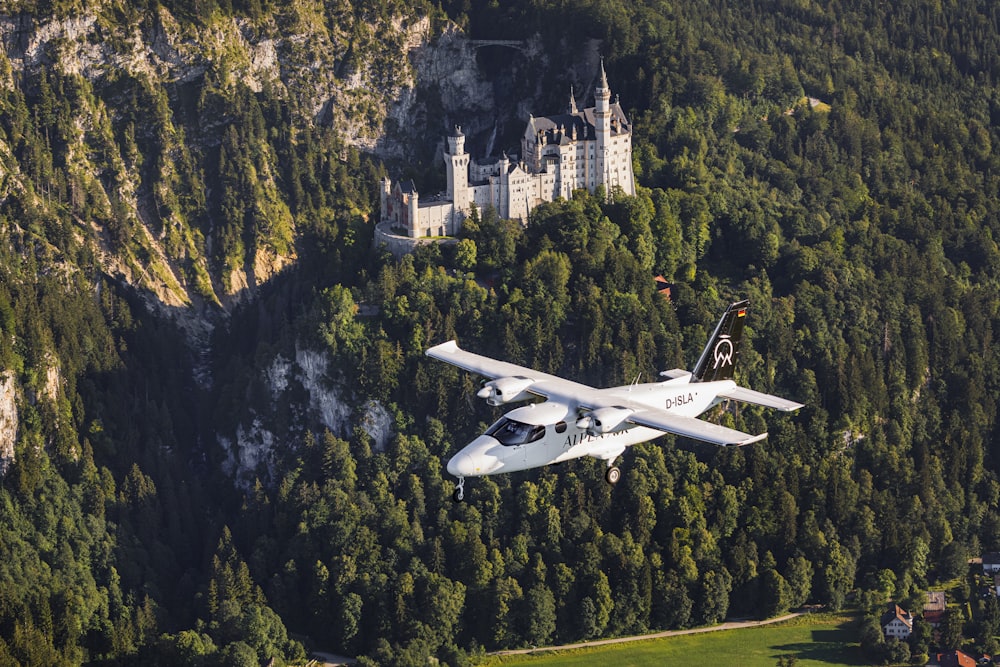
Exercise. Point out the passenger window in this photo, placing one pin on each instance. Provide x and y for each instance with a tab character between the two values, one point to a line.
560	427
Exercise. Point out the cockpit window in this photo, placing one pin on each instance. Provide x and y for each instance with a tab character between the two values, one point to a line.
510	433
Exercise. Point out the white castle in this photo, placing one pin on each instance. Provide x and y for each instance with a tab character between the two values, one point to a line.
580	149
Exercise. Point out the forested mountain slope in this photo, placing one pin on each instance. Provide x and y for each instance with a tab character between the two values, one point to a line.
197	342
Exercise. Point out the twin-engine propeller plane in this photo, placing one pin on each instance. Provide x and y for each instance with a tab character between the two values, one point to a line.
577	420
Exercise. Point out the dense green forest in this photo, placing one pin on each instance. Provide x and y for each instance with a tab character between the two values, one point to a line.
860	227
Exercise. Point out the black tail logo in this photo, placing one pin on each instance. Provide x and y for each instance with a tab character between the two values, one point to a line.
718	358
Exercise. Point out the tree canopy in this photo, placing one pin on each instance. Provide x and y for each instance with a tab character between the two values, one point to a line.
834	164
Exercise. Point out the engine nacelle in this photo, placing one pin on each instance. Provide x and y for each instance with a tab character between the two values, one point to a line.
604	420
506	390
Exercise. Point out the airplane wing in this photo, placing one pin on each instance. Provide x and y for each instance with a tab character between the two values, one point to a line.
451	353
692	427
602	406
758	398
540	384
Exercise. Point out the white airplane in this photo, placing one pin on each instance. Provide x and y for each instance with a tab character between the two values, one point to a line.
577	420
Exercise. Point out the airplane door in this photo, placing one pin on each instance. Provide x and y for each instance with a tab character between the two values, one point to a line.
549	448
516	457
532	452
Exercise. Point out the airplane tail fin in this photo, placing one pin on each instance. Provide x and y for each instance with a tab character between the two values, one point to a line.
719	356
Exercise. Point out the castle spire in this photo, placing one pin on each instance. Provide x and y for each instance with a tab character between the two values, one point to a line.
572	101
602	94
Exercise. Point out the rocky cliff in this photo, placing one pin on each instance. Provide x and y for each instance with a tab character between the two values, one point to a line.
8	421
371	78
183	158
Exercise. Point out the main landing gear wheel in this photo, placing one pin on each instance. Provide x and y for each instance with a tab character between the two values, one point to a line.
458	495
613	474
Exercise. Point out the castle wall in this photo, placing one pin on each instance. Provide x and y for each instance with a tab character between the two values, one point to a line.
481	173
402	245
489	195
433	219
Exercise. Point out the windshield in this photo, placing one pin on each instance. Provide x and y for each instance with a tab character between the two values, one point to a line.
510	432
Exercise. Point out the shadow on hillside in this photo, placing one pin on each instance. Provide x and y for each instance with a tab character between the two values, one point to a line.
835	646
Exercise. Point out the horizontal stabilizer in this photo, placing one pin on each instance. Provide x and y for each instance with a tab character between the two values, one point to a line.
690	427
760	398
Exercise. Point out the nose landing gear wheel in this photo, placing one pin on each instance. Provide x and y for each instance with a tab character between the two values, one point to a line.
612	475
458	495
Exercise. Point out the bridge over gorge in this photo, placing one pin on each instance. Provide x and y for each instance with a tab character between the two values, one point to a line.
511	43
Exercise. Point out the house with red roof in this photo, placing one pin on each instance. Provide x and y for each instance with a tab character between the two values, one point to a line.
897	622
663	287
956	659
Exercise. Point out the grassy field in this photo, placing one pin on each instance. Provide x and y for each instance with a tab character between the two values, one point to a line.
815	640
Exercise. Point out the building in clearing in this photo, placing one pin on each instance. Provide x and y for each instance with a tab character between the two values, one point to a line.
897	622
578	149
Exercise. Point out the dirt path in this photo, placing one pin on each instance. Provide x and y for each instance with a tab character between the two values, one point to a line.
729	625
329	659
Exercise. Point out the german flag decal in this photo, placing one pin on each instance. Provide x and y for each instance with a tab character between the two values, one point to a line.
742	312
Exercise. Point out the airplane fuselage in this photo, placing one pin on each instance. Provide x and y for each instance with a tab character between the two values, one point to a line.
541	434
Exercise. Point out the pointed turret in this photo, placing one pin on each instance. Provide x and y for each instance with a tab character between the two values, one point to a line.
572	102
602	94
602	129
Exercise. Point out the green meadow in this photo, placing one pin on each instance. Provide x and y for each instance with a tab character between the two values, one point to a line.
816	640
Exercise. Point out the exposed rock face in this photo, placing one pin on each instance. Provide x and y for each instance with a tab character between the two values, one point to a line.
53	380
386	84
325	400
445	69
255	442
363	79
8	421
253	445
277	375
372	78
377	423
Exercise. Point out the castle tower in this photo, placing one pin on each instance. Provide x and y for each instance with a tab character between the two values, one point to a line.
414	214
602	127
457	164
572	103
384	193
503	183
